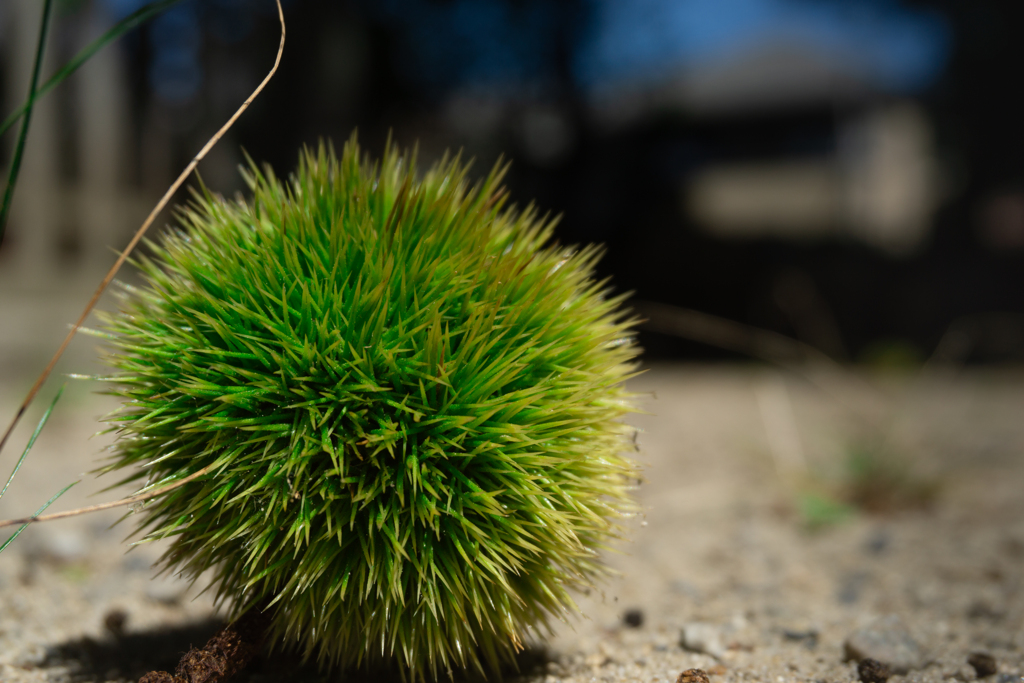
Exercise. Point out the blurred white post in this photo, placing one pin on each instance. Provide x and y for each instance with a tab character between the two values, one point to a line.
102	99
890	176
37	209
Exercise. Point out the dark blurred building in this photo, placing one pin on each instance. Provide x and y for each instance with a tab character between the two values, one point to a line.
846	172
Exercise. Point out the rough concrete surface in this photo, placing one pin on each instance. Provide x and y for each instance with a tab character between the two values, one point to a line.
723	571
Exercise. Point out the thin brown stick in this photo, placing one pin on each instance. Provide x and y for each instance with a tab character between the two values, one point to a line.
142	231
729	334
772	347
130	500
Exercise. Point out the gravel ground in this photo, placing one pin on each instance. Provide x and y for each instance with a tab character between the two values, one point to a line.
726	570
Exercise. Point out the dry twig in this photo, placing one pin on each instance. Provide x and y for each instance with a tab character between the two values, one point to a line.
130	500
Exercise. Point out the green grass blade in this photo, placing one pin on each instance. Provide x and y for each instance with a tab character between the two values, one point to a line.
32	441
38	512
130	22
25	110
19	149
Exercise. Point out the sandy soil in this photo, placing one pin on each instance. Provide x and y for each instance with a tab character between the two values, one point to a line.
726	571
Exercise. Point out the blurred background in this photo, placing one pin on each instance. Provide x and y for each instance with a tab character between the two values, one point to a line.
849	173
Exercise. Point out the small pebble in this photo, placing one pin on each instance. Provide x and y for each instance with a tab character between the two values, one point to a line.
851	587
634	618
1013	547
887	641
808	637
702	638
872	671
115	621
878	542
983	663
984	610
693	676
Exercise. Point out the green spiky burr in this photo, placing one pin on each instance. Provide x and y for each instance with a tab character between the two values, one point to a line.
410	403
